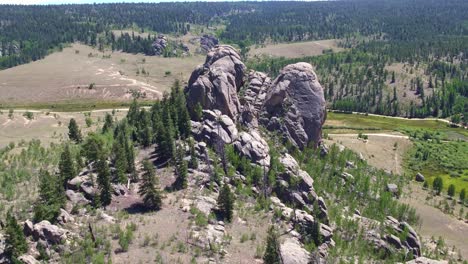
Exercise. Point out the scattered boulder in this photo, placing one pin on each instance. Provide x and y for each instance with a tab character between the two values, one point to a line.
347	176
64	217
214	126
292	252
207	42
297	98
420	177
393	188
46	231
28	259
205	204
76	198
119	189
252	146
215	84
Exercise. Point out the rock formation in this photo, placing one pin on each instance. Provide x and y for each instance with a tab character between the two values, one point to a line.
296	105
208	42
159	45
215	84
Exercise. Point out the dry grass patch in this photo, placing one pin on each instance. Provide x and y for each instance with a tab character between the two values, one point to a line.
297	49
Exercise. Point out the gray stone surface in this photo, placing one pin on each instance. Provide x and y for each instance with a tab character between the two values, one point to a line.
297	97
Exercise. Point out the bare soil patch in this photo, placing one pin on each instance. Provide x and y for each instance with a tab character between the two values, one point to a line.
383	151
67	76
297	49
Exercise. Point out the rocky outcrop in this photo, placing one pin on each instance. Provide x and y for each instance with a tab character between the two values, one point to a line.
411	241
28	259
215	84
48	232
254	97
215	125
208	42
76	198
252	146
296	100
159	45
293	253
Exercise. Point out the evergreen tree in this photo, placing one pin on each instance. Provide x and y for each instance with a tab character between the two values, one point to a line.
120	161
15	241
133	111
181	168
272	253
51	198
183	120
149	190
462	195
103	180
451	190
108	123
438	185
393	77
74	132
226	202
66	166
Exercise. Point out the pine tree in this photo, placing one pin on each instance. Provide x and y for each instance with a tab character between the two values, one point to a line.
133	111
66	166
51	198
393	77
74	132
120	162
226	202
149	190
272	253
15	242
451	190
181	168
438	185
108	123
462	195
103	180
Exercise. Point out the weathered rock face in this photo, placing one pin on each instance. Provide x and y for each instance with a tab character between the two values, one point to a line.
254	97
297	98
293	253
252	146
215	84
48	232
208	42
215	125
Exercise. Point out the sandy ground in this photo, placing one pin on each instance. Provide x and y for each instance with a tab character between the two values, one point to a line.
379	150
67	75
435	223
298	49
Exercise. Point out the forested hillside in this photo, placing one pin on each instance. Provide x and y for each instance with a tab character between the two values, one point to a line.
429	37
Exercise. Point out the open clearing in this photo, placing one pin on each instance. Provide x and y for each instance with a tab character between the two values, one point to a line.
65	77
297	49
381	152
48	127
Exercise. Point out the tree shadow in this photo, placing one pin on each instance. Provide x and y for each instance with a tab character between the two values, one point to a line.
136	208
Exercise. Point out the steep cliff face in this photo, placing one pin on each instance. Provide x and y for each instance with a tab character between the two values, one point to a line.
214	85
295	104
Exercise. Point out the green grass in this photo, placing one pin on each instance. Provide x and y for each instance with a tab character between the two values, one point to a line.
73	105
433	158
372	123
